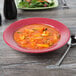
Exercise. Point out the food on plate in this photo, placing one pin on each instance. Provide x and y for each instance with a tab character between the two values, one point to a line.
35	3
36	36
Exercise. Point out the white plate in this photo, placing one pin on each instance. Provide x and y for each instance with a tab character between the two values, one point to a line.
54	6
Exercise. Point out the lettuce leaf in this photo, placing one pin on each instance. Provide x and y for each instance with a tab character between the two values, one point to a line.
35	4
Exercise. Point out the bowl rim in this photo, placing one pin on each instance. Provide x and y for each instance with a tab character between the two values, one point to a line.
45	50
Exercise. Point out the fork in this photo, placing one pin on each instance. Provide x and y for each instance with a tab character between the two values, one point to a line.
65	4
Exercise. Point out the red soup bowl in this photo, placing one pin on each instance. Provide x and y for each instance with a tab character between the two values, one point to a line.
9	31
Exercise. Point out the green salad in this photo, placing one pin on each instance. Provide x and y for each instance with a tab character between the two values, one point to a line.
35	3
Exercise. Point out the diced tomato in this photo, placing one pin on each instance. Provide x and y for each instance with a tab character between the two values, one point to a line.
28	0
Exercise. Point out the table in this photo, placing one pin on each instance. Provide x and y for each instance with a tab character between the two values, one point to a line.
14	63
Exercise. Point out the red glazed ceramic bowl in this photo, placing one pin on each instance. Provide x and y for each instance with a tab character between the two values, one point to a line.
8	33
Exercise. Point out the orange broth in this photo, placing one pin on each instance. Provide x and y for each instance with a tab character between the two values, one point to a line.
36	36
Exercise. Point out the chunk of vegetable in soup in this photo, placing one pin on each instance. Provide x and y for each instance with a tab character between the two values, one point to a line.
36	36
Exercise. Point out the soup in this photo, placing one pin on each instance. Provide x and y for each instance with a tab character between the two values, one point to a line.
36	36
